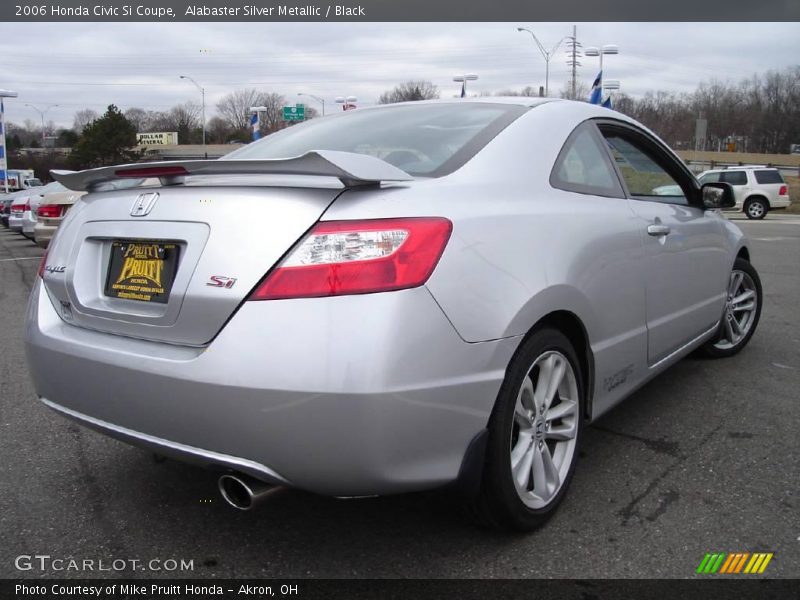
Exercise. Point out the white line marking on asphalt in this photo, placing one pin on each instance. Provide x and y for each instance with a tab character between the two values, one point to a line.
23	258
780	366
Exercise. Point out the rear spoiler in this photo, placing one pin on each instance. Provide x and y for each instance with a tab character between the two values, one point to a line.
350	168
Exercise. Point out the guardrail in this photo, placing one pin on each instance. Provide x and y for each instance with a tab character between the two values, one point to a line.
787	164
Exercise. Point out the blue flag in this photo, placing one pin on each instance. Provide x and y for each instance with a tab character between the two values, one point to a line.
594	97
464	88
254	125
607	102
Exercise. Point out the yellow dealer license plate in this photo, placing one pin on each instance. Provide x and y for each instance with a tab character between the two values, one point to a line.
141	270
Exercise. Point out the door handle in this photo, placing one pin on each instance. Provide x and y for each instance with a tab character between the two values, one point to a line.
658	229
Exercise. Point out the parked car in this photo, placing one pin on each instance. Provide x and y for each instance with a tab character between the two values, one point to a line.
757	189
5	205
51	212
29	218
19	206
303	313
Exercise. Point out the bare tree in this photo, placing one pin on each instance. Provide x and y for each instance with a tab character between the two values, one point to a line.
272	118
140	118
82	118
219	131
234	108
582	90
528	91
183	118
409	91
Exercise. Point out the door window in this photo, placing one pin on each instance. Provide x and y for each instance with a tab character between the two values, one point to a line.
733	177
709	178
644	177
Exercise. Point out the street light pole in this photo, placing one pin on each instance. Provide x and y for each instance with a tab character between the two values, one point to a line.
203	97
547	54
317	98
463	79
4	157
41	114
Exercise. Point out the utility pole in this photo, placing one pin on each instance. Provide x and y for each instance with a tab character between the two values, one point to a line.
573	61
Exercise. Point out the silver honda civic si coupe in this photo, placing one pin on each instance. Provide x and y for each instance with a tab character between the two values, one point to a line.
400	298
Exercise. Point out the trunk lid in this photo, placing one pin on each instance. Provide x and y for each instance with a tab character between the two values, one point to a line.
225	239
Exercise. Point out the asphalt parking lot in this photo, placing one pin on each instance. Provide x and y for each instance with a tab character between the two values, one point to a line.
702	459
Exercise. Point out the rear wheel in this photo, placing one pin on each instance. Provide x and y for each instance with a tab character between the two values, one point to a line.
756	208
534	433
742	312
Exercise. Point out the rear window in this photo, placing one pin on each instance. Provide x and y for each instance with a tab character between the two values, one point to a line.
769	176
426	140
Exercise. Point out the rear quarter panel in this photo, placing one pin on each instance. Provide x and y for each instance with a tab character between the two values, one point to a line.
521	249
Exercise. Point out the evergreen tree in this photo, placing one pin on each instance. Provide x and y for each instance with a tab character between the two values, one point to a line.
108	140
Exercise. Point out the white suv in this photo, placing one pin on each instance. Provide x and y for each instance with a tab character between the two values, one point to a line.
757	189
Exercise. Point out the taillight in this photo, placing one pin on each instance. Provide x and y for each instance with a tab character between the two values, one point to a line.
338	258
783	191
42	264
51	211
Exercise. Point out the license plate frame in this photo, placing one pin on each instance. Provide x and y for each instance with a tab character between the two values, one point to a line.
141	270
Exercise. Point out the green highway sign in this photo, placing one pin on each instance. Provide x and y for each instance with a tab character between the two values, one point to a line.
294	113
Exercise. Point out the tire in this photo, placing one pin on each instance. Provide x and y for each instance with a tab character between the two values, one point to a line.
523	435
739	321
756	208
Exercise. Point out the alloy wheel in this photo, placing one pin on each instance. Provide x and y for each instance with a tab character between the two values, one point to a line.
544	429
740	310
755	210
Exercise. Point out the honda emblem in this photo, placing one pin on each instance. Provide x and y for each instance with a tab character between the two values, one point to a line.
143	204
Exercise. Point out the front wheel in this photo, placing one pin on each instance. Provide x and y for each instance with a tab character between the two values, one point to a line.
742	312
534	433
756	208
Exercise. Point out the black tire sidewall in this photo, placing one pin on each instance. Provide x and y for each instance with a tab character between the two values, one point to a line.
498	486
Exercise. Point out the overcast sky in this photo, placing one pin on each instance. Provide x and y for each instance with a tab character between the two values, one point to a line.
90	65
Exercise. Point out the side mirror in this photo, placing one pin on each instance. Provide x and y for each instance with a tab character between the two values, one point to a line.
717	194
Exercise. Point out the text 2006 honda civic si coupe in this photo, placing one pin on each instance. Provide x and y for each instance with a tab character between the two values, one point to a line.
392	299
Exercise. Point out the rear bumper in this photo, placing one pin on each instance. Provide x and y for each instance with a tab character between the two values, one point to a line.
781	202
358	395
43	233
15	223
28	225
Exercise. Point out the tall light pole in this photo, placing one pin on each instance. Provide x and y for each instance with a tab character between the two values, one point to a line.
41	114
317	98
463	79
3	157
203	96
547	54
606	49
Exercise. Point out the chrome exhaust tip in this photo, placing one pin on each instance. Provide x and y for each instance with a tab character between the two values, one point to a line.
244	492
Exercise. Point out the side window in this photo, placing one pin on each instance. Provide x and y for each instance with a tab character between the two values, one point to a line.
733	177
709	178
583	166
645	178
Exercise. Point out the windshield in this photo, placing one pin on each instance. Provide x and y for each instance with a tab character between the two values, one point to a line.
428	140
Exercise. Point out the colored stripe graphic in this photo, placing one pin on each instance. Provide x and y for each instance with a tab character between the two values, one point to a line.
733	563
